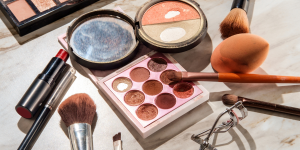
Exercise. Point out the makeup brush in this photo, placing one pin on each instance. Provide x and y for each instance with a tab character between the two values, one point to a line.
175	76
232	99
117	141
78	112
236	21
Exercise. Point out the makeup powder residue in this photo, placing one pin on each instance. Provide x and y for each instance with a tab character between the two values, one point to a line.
172	34
152	87
147	112
183	90
134	98
172	14
122	84
139	74
43	5
165	101
157	64
103	39
164	78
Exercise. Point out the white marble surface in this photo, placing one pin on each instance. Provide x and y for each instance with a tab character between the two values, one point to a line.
22	58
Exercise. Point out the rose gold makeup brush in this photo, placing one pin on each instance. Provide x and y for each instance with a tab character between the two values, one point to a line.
78	112
175	76
236	21
232	99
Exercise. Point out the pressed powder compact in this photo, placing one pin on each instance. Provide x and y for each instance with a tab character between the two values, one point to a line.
107	39
140	92
29	15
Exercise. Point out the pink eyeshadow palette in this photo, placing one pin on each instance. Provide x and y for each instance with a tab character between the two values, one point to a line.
150	99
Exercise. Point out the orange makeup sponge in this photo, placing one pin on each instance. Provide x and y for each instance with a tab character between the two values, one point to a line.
241	53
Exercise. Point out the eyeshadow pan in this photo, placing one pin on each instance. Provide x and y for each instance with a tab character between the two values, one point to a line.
21	10
43	5
152	87
164	78
122	84
165	101
183	90
134	98
139	74
157	64
147	112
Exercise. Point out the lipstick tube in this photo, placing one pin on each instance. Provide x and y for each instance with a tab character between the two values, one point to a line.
40	88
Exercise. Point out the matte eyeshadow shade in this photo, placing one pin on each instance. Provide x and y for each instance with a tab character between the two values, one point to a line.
103	39
157	13
190	26
21	10
121	82
152	87
43	5
183	90
157	64
147	112
165	101
134	98
139	74
164	78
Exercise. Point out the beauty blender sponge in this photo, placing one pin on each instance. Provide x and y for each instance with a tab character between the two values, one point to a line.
241	53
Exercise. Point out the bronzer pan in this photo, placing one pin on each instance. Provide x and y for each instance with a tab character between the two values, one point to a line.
171	26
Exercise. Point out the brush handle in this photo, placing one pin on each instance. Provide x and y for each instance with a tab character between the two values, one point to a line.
243	4
35	128
269	106
256	78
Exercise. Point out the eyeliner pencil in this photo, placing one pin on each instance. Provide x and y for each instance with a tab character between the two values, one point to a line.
41	119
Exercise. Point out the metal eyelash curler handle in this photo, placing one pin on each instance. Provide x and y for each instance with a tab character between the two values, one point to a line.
224	127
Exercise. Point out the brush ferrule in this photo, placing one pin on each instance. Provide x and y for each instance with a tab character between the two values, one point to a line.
80	135
118	145
243	4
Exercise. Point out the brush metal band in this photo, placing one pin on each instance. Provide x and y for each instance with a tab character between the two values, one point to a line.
117	145
243	4
80	135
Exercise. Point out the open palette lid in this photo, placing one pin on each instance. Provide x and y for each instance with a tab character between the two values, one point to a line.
107	39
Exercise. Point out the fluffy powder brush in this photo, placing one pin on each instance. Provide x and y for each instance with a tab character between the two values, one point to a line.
78	112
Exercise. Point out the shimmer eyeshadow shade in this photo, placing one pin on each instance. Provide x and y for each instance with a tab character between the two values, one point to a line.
152	87
139	74
183	90
134	98
122	84
147	112
29	15
157	64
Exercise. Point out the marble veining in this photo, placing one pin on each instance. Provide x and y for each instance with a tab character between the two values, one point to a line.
22	58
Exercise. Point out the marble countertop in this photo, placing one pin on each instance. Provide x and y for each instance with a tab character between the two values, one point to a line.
22	58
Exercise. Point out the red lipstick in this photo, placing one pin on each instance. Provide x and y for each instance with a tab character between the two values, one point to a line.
42	85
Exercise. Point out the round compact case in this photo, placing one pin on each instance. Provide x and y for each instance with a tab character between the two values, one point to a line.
107	39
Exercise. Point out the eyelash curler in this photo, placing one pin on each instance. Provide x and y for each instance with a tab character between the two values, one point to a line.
224	127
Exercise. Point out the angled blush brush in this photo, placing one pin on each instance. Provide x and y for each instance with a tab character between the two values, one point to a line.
229	99
175	76
78	112
236	21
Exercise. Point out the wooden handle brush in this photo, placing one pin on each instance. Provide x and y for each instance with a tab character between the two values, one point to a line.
232	99
175	76
78	112
236	21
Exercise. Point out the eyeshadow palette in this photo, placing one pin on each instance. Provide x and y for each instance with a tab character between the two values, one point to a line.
29	15
139	91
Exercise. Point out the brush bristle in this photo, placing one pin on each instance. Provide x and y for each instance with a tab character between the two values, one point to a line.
236	22
117	137
78	108
174	76
229	99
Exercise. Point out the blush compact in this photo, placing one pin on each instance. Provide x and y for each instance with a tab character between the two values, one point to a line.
140	92
107	39
29	15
